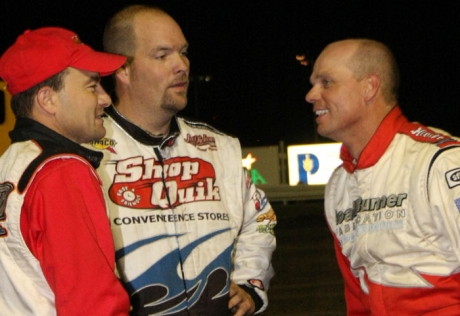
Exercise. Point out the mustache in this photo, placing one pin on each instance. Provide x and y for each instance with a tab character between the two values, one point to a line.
180	80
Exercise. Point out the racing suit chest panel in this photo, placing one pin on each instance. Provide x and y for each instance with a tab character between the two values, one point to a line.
137	187
23	287
382	218
186	246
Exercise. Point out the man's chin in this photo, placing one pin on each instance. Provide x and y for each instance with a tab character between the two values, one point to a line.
175	106
323	132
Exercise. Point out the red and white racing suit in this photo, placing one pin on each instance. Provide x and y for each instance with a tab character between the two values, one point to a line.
56	247
185	218
395	217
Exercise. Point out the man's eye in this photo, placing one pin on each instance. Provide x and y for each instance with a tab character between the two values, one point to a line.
160	57
185	53
326	82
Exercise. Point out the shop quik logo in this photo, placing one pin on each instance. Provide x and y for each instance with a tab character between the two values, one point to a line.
139	183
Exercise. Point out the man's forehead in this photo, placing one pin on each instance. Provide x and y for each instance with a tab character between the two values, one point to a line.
334	56
155	23
338	51
159	31
331	66
326	63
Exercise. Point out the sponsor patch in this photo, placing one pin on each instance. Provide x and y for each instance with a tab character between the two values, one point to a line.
104	143
270	216
257	283
201	142
424	134
5	190
453	178
139	183
259	200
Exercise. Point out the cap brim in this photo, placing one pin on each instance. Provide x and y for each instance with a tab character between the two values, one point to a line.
100	62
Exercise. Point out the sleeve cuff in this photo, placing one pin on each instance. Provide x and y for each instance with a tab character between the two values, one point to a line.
258	302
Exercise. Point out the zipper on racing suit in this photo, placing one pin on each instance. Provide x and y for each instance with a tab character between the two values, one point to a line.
163	180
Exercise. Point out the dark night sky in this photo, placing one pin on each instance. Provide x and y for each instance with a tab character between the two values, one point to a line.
248	47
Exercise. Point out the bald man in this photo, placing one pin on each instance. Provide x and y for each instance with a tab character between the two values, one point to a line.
394	205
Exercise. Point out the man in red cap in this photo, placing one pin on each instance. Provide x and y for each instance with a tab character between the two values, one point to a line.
56	248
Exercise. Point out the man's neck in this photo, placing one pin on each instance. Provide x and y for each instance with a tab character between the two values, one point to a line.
156	124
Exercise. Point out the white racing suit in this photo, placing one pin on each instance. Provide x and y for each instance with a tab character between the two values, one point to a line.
395	217
185	217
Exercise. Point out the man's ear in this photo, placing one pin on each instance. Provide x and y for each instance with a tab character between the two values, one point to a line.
371	87
122	74
46	99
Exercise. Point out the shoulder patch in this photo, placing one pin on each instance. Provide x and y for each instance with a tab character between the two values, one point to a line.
424	134
202	142
453	177
5	190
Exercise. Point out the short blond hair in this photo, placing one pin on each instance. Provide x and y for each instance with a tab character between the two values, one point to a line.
373	57
119	37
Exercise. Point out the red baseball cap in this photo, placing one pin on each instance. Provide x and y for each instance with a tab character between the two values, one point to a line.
42	53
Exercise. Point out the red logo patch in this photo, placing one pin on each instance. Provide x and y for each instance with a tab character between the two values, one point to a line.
138	182
76	39
256	283
202	142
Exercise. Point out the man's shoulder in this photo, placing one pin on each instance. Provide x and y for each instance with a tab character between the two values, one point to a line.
430	149
429	136
204	136
29	161
200	126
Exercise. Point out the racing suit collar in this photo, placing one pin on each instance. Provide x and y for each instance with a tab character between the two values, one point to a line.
51	142
141	135
377	145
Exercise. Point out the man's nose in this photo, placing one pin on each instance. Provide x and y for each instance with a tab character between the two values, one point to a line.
312	95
